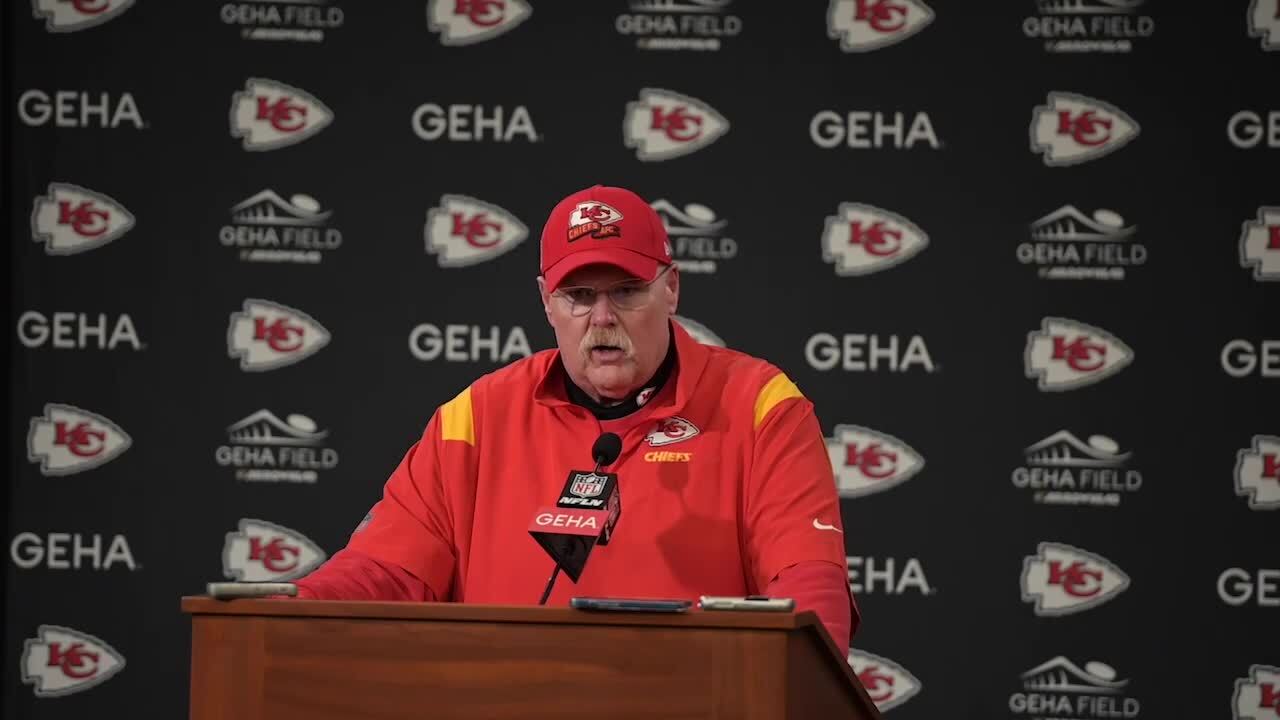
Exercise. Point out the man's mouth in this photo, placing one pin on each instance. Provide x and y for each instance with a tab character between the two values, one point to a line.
606	353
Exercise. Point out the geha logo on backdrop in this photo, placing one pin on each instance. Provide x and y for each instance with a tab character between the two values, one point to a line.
70	219
1061	690
261	551
866	461
462	231
268	115
860	352
1066	244
1257	473
872	130
862	239
468	343
466	22
66	440
1257	697
1260	244
79	109
1063	470
1248	129
1242	358
292	20
887	683
1066	354
664	124
62	661
870	575
267	228
63	16
866	25
1238	587
1264	22
263	448
679	24
70	551
77	331
266	335
473	123
1085	26
698	240
1061	580
1071	129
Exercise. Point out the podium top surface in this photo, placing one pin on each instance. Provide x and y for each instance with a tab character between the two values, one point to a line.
460	612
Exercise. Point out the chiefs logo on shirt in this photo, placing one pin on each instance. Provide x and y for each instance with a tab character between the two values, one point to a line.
1071	129
269	115
866	25
262	551
862	239
671	430
466	22
887	683
1061	579
62	661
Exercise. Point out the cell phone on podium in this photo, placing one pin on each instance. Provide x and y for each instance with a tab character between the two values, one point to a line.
235	590
749	602
630	604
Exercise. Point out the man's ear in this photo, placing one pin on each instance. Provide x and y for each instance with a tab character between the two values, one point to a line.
546	297
673	289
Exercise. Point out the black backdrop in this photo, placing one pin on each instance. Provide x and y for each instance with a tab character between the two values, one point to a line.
1175	603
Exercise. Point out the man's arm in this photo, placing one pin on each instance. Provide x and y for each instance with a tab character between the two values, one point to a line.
404	550
795	538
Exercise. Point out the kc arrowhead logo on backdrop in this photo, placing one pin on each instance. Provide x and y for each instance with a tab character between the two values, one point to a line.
862	239
866	25
1061	579
1066	354
63	16
1257	697
266	335
71	219
1264	22
1073	129
67	440
1258	473
466	22
1260	244
262	551
699	332
464	231
867	461
663	124
270	115
62	661
887	683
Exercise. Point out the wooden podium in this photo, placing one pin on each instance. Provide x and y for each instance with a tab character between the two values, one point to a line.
320	660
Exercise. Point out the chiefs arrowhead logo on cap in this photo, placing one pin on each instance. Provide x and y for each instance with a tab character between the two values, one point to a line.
594	218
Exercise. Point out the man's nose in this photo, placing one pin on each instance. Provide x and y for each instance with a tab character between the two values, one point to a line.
602	314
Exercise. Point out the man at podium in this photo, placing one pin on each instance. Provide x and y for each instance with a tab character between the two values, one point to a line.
723	477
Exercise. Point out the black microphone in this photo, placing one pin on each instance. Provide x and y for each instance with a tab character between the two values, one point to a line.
584	516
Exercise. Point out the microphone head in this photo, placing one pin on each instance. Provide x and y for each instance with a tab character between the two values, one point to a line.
606	449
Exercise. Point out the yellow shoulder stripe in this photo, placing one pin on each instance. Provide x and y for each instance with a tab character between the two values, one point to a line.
456	419
778	388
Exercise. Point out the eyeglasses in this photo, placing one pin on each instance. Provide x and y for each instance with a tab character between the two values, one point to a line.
625	295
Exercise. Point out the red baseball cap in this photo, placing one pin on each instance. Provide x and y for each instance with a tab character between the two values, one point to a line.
603	225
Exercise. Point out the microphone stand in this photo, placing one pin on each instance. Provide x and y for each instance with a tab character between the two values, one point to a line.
546	592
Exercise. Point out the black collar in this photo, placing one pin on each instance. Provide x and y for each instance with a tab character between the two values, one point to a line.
632	402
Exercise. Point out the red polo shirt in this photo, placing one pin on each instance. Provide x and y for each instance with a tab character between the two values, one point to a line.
724	478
